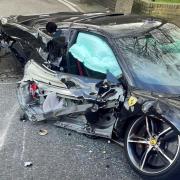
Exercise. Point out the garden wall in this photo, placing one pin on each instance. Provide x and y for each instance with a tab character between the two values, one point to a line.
166	10
119	6
111	4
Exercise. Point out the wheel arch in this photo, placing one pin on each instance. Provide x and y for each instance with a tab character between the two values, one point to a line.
122	125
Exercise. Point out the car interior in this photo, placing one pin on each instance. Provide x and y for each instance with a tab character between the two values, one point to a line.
86	55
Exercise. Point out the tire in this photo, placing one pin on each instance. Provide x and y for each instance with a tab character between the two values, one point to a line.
152	147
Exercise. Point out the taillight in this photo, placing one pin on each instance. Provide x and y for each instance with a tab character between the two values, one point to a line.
33	89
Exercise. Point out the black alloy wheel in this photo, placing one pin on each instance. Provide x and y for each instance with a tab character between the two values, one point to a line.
153	148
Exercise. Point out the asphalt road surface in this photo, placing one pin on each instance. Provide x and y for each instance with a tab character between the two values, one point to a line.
61	154
16	7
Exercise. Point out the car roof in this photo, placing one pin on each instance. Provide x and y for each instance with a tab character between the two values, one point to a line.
119	25
114	24
112	18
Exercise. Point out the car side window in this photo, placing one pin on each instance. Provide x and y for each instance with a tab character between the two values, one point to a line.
91	56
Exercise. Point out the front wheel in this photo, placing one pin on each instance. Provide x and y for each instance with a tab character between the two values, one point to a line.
153	148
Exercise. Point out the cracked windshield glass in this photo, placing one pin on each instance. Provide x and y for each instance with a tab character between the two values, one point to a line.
154	58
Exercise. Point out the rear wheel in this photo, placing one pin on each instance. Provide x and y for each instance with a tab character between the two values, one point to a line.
153	148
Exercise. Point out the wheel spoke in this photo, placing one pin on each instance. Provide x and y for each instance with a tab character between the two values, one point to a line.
152	127
137	139
144	157
164	131
147	127
164	155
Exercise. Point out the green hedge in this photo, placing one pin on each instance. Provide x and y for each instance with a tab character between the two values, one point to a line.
167	1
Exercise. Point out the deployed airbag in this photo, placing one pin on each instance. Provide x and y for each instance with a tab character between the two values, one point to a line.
95	54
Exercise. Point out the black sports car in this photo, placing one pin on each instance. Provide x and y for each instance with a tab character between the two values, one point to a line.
106	75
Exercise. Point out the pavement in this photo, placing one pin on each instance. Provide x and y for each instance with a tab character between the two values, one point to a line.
61	154
88	6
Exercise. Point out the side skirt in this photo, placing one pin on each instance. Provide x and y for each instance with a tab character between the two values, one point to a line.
80	125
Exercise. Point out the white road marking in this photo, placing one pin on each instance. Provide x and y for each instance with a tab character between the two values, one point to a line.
76	6
23	143
8	83
8	117
72	4
69	5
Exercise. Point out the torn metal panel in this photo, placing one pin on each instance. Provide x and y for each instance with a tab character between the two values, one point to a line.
83	90
64	84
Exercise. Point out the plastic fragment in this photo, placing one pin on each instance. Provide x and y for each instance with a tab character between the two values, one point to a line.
104	152
23	118
28	164
79	145
43	132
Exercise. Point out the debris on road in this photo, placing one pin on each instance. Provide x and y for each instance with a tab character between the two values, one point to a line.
23	118
28	164
79	145
43	132
69	134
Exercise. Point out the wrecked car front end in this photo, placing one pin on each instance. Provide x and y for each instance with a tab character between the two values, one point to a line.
45	94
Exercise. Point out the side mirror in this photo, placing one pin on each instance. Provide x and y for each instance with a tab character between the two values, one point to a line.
111	78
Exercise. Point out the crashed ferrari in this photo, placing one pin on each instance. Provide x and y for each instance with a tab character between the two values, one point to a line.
108	75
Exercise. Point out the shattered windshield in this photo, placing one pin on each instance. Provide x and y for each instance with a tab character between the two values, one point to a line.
154	58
